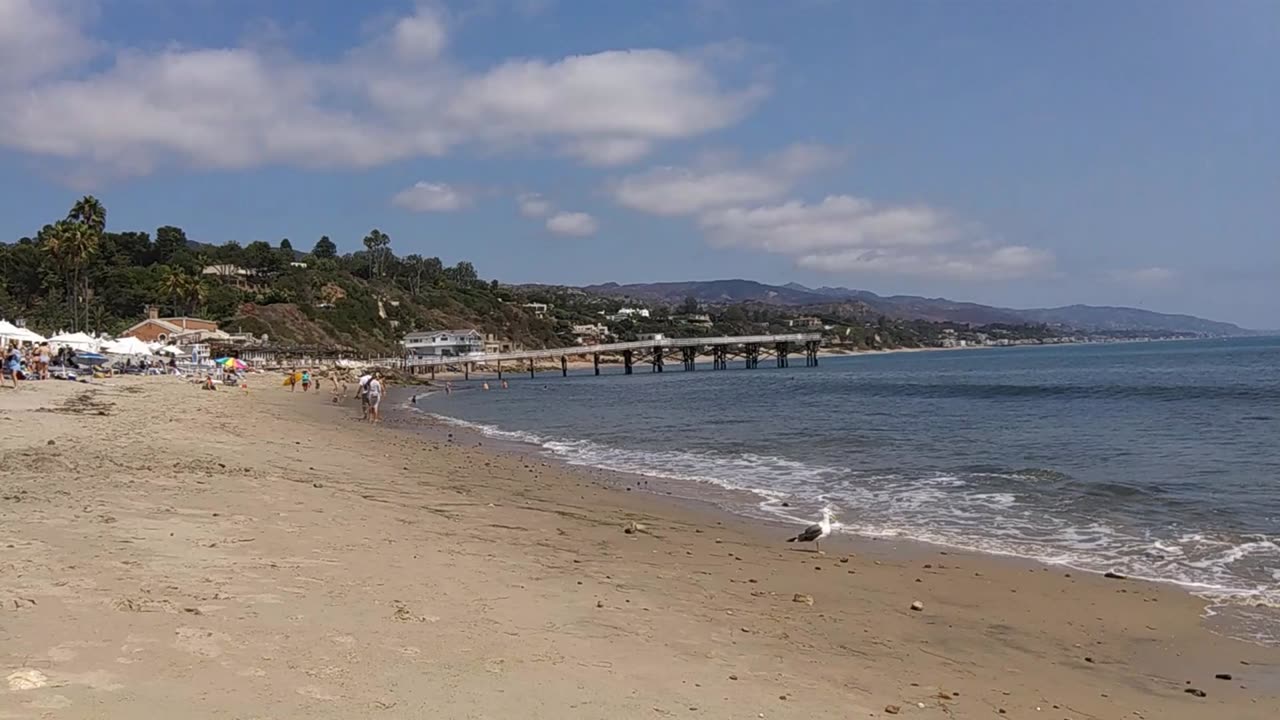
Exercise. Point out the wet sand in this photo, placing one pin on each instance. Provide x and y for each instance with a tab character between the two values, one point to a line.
172	552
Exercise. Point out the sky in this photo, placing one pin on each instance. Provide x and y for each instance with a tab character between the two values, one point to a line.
1024	154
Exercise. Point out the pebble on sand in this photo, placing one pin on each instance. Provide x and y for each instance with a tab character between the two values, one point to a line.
802	598
892	709
917	606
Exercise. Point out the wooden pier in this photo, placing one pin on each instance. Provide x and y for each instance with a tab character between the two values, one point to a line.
653	353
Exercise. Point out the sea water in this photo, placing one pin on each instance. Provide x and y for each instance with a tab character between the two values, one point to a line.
1157	460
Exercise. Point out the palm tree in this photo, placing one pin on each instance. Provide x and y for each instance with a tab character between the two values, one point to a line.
91	216
89	211
193	293
378	243
71	244
174	284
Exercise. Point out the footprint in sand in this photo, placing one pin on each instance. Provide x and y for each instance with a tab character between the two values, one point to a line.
344	639
198	642
316	692
50	702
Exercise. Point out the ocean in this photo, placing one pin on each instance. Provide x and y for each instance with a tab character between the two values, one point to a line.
1155	460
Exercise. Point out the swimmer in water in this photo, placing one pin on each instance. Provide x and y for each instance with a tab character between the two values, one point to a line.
504	384
485	386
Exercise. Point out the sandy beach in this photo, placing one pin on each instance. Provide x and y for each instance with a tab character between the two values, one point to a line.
169	552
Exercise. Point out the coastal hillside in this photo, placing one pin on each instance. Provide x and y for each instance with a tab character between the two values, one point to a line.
77	273
911	307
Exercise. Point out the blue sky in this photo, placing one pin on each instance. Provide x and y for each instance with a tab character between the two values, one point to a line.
1023	154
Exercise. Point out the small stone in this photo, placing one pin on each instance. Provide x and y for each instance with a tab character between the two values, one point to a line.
1196	692
1088	659
928	566
733	677
599	603
917	606
51	443
844	559
892	709
1222	676
317	484
802	598
1114	576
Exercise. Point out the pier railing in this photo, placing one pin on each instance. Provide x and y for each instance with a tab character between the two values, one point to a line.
609	348
654	352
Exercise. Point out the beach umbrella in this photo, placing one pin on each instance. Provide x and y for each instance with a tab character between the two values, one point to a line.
127	345
75	341
232	363
90	358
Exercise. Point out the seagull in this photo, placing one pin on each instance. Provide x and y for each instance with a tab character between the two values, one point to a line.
815	532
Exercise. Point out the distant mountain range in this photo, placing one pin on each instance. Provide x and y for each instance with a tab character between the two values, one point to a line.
911	307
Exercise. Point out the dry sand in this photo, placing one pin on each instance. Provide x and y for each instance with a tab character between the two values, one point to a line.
168	552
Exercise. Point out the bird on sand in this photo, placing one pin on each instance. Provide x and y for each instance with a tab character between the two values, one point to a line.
815	532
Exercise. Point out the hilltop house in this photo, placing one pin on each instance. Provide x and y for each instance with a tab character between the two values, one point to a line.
234	275
695	319
627	313
805	323
538	309
496	344
590	334
444	343
174	329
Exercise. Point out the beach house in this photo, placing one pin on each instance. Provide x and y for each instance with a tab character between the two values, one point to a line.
178	329
443	343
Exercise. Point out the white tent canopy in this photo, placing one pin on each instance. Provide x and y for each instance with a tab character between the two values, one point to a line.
9	331
126	346
75	341
168	350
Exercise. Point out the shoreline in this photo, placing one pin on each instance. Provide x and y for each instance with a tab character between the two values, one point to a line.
721	501
274	557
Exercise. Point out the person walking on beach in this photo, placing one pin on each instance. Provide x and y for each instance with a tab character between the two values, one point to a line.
374	394
43	357
306	380
13	363
362	389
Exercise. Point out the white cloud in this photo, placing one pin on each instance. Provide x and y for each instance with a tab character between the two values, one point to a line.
420	36
38	37
606	151
431	197
393	98
576	224
533	205
1149	278
673	191
843	233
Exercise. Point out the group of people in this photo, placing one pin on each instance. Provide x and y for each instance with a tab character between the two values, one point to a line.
29	363
369	389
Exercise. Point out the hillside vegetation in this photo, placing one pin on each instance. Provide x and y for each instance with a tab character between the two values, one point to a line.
75	274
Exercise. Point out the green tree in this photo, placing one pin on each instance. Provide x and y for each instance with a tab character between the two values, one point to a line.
89	213
689	306
324	248
379	245
260	256
170	242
